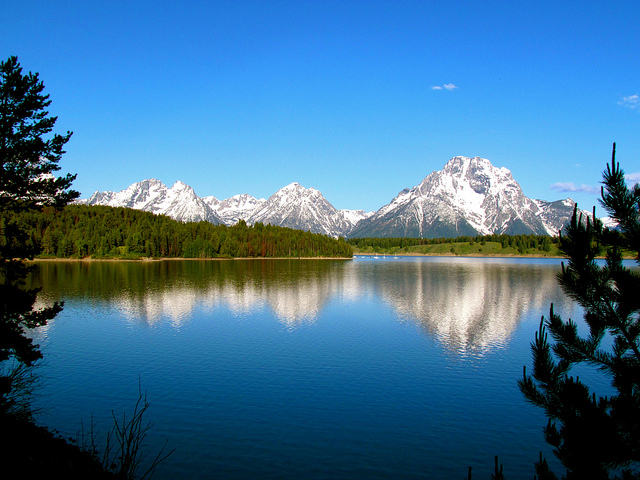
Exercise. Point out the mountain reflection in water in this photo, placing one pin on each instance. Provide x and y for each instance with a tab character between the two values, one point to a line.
466	304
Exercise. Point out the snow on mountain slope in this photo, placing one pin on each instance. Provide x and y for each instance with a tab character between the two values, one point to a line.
295	206
237	207
179	202
554	215
469	196
354	216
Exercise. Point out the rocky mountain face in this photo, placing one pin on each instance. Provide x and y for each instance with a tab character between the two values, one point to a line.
469	196
235	208
306	209
179	202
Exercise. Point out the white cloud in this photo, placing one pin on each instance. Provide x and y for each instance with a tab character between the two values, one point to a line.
631	178
446	86
632	101
572	187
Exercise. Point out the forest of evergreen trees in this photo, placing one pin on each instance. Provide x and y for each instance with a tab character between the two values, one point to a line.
80	231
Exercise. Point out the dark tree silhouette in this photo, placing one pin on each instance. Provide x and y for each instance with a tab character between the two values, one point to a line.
28	156
594	436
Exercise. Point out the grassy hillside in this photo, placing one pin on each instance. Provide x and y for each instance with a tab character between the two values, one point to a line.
494	245
460	248
506	245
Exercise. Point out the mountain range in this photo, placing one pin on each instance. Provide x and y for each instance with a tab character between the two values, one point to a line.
469	196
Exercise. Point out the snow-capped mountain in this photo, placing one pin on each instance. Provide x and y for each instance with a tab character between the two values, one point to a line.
179	202
295	206
469	196
292	206
235	208
554	215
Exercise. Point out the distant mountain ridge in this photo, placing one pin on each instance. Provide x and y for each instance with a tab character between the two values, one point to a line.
293	206
234	208
179	202
469	196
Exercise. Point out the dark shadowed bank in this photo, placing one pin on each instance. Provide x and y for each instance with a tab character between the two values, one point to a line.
31	451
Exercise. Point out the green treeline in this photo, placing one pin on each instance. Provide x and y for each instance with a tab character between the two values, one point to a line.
481	244
80	231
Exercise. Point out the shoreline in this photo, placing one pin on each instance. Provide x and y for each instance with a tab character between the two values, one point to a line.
474	255
221	259
170	259
217	259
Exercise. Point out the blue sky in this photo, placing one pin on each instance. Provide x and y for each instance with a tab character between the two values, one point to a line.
358	99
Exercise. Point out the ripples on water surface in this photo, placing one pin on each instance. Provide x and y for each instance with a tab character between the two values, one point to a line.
369	368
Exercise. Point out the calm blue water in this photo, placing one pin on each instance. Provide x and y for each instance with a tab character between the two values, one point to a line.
369	368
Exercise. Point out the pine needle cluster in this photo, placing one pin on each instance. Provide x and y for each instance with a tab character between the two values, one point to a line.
594	436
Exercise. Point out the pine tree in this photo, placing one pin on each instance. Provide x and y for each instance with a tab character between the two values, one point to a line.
594	436
28	156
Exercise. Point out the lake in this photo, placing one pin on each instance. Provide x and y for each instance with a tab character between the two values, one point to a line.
371	368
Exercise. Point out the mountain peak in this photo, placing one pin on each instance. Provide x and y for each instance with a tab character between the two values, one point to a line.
469	196
295	186
463	165
295	206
